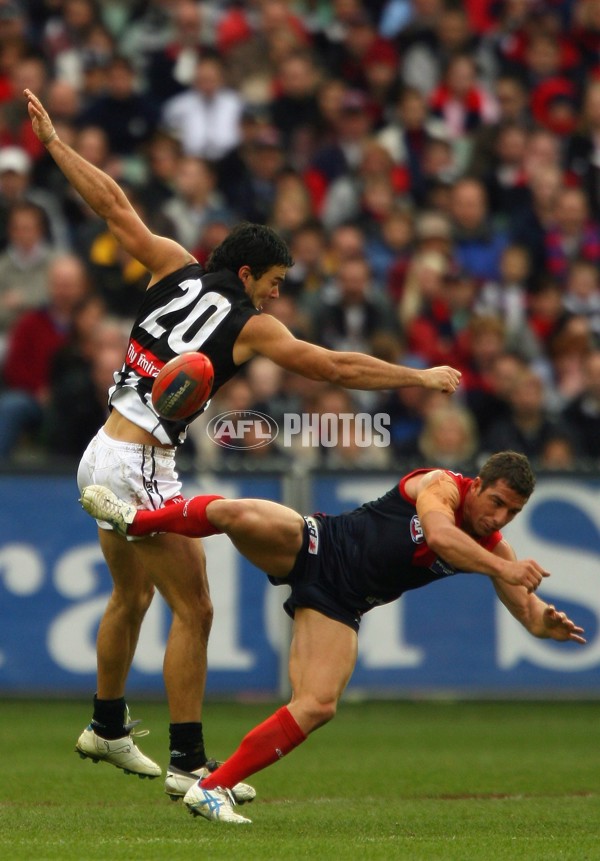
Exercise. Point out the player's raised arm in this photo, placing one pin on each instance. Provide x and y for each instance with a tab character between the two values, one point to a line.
266	336
157	253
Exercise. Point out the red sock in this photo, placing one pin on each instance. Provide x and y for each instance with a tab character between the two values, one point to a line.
187	517
264	745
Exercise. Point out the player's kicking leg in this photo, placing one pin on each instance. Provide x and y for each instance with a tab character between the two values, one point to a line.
268	534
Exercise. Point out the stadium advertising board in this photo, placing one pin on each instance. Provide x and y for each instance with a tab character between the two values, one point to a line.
452	636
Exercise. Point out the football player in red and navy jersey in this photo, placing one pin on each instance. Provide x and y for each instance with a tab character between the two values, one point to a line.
216	311
432	524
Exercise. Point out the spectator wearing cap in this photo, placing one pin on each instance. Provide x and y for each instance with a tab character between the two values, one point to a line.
16	186
205	117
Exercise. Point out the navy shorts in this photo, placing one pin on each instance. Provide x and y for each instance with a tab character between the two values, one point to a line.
316	579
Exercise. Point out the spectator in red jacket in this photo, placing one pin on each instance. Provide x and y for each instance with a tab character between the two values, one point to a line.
33	342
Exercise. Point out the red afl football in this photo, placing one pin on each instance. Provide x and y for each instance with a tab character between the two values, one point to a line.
183	386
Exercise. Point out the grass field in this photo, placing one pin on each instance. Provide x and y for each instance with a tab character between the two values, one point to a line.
419	781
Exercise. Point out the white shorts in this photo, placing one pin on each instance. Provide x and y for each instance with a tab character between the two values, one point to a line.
143	475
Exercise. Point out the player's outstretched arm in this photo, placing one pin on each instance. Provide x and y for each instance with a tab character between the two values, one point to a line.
266	336
540	619
436	499
157	253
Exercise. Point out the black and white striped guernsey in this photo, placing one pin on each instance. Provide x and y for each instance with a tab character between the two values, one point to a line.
188	310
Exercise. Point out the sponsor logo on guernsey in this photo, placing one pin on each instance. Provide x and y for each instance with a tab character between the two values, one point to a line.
442	568
313	535
416	530
142	360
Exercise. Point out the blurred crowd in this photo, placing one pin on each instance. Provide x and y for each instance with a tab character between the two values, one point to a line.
434	166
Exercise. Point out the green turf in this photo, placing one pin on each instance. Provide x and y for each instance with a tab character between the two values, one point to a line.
418	781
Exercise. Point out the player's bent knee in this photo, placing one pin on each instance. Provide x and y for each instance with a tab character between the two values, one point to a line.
197	611
232	514
134	603
316	714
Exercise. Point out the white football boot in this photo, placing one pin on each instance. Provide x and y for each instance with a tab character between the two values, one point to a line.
216	805
120	752
178	782
103	504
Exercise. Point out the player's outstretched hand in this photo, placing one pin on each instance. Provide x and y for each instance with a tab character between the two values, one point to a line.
40	119
443	378
559	627
523	572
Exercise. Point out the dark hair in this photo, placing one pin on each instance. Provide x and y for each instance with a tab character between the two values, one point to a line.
253	245
511	467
